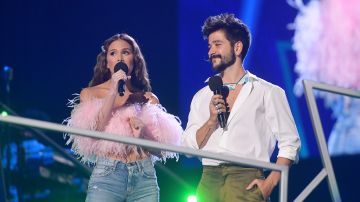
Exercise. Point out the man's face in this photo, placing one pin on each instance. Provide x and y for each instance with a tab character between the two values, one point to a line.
221	53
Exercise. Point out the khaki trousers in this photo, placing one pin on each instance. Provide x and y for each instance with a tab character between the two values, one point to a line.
227	183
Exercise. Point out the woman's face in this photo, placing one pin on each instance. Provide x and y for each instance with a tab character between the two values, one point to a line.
120	50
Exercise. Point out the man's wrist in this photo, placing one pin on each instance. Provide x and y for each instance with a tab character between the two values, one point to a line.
211	124
273	178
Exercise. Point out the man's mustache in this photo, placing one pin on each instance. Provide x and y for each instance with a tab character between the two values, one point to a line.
214	56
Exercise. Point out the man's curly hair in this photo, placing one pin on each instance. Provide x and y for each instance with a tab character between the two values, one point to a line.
235	30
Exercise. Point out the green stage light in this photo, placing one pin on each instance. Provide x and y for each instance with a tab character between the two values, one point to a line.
191	198
4	113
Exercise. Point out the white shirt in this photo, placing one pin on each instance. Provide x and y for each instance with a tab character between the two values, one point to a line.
260	116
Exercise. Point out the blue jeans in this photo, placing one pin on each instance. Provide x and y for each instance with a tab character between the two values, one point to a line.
116	181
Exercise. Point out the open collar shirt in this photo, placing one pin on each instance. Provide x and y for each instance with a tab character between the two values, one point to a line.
259	119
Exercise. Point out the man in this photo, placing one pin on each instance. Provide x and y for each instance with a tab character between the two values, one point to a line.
258	116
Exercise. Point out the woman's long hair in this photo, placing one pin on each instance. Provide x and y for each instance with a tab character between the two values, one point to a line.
139	76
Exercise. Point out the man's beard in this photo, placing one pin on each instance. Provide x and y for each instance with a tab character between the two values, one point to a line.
225	62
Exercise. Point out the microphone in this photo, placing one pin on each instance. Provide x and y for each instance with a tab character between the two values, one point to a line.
216	84
121	85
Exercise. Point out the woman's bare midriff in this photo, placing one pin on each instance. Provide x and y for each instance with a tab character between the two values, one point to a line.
131	157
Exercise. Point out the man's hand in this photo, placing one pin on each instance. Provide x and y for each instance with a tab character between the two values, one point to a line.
265	187
216	106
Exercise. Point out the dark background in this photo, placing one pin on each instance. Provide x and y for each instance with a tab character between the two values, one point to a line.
52	47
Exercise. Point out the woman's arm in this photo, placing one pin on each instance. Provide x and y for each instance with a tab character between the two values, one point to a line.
103	116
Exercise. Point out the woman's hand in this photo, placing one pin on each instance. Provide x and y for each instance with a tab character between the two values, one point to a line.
115	78
136	126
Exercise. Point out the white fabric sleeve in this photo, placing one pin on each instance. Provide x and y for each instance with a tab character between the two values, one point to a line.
282	124
193	124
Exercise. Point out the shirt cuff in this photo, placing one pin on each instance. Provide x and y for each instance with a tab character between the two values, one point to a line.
289	153
189	140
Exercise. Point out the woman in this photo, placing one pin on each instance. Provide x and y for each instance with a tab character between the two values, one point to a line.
122	172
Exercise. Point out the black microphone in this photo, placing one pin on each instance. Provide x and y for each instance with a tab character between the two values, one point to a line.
216	84
121	85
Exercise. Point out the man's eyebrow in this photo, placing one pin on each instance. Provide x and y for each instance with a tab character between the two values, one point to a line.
215	41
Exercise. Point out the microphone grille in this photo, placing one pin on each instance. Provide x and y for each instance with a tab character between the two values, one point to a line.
121	66
215	83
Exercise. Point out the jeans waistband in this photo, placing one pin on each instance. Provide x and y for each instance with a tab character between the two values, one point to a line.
111	162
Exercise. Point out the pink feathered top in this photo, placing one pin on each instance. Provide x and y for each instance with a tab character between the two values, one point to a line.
158	125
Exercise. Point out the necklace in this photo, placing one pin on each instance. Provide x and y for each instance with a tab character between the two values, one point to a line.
242	81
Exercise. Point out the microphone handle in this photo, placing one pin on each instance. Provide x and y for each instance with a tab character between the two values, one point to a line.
221	116
121	88
221	119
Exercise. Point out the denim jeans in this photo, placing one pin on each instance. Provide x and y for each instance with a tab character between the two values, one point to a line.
116	181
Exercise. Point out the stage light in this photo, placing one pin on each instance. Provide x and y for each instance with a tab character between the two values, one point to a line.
191	198
4	113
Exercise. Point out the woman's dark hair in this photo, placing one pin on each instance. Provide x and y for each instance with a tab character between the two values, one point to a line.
235	30
139	76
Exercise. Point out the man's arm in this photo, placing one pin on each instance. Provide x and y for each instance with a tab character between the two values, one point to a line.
266	186
216	105
282	124
204	133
